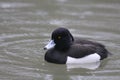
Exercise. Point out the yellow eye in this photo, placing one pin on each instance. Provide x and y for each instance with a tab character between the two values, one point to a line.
59	37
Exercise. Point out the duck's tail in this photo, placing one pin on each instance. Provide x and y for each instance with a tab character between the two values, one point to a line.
103	52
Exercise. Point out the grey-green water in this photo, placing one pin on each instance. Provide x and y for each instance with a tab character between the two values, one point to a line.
26	26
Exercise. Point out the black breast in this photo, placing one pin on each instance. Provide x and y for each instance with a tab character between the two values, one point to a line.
54	56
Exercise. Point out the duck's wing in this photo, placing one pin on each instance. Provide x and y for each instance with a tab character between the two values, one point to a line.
79	51
88	42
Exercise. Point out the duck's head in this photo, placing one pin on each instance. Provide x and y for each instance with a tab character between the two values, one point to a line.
61	39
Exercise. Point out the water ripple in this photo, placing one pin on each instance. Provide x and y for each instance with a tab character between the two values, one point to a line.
14	5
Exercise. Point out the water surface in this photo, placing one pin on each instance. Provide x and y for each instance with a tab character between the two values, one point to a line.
26	26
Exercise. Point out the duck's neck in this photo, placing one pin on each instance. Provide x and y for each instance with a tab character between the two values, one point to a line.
63	46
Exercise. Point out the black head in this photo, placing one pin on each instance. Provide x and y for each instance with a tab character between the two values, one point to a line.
62	38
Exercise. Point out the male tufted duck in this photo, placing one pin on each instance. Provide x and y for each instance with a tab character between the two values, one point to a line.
64	48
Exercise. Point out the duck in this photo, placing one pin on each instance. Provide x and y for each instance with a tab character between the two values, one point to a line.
63	48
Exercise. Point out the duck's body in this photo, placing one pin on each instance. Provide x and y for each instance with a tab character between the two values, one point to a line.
73	50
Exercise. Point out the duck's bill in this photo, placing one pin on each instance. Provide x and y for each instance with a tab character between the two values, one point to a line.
50	45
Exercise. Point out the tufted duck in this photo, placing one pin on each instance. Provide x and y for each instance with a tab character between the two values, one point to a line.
64	48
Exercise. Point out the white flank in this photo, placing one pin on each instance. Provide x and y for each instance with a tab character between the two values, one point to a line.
87	59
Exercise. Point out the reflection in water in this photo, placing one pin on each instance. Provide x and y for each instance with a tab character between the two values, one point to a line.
91	66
